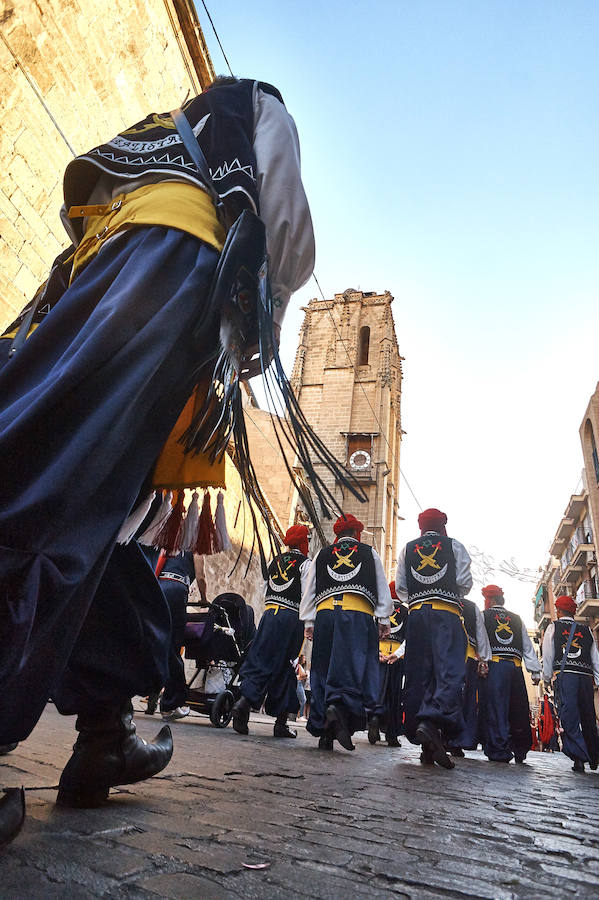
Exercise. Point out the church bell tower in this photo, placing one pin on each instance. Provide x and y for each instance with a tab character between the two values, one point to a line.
347	377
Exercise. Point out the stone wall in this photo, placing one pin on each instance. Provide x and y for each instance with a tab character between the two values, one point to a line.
74	73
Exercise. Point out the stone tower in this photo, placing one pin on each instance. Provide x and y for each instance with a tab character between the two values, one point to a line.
347	377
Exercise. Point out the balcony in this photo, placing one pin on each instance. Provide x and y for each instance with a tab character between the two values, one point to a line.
562	536
575	506
589	608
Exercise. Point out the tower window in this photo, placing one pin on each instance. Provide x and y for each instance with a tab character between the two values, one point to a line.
363	345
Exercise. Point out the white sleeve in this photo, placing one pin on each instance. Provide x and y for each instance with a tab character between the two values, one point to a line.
483	646
529	653
384	606
594	660
283	204
548	653
463	575
307	611
401	584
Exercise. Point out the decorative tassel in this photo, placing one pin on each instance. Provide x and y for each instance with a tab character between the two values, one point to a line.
188	535
166	538
134	520
148	538
206	533
222	541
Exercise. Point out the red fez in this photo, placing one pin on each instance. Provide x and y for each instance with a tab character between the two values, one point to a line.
297	536
566	604
347	523
432	520
393	591
492	593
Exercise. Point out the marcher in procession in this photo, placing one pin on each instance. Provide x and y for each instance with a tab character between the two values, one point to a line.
506	719
175	576
268	675
91	396
571	660
388	716
346	595
433	575
478	656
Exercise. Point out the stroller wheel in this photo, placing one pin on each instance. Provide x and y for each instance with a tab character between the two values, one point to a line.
222	709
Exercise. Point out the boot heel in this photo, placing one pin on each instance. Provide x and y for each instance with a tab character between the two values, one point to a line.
80	800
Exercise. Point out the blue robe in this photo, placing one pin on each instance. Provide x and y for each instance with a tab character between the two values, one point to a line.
86	406
345	668
267	674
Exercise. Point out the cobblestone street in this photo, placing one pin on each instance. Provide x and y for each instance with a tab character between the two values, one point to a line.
368	824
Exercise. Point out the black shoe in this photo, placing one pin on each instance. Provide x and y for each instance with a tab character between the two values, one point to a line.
12	814
152	704
108	753
282	730
593	764
393	742
338	725
427	758
8	748
430	738
241	716
325	742
374	733
578	766
519	760
457	753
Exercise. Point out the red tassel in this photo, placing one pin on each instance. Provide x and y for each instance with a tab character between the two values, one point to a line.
206	531
167	536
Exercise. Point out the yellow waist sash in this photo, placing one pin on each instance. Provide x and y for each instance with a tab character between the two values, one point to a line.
275	606
470	652
388	647
515	660
170	203
352	602
437	604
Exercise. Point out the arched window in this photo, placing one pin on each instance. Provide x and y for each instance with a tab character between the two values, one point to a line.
363	345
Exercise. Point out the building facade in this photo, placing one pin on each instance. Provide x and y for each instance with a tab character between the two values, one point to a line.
572	565
347	377
73	74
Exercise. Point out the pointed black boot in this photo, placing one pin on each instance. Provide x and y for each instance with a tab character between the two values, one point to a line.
281	729
108	753
12	814
241	716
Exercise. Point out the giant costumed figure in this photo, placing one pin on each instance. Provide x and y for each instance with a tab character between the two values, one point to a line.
124	330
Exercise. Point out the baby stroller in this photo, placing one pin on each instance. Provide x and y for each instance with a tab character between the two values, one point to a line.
216	639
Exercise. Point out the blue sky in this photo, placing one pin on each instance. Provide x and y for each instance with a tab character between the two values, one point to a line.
449	153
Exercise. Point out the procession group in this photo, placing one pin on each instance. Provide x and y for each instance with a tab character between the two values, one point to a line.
413	657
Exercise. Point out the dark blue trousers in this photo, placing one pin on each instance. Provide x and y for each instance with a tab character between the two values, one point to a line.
434	666
506	716
576	710
345	667
85	407
175	686
267	674
470	737
393	710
